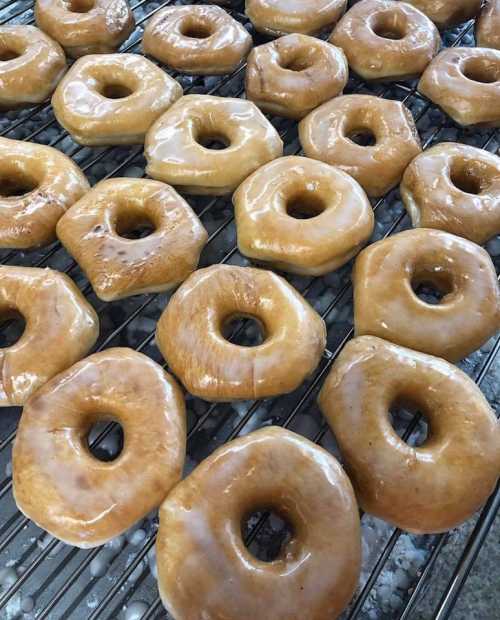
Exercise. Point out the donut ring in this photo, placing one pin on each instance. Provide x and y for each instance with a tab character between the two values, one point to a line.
386	305
174	145
341	223
394	481
456	188
189	334
66	490
488	25
318	569
326	133
197	39
61	327
448	13
113	99
386	40
93	233
465	83
295	74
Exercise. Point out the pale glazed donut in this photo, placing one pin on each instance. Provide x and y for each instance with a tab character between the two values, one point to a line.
295	74
488	25
66	490
324	135
93	233
107	99
197	39
31	65
386	40
465	83
448	13
61	327
454	187
203	563
189	334
386	305
85	26
174	145
37	185
340	216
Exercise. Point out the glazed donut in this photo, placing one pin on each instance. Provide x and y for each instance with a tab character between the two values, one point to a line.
295	74
113	99
454	187
327	134
37	184
60	485
31	65
269	203
488	25
448	13
197	39
190	337
86	26
61	327
387	273
94	232
200	544
386	40
175	145
465	83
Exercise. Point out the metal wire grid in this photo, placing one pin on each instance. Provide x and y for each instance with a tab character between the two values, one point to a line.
57	576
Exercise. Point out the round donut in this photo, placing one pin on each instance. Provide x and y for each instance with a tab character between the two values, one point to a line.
387	273
465	83
113	98
200	544
488	25
31	65
327	134
454	187
197	39
294	74
86	26
190	334
426	489
270	202
179	149
448	13
60	485
61	327
94	232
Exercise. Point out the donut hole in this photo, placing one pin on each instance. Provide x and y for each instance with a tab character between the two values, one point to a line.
295	63
213	141
243	330
105	440
7	54
81	6
390	25
12	326
193	29
432	285
15	184
131	224
305	205
266	534
115	91
409	422
481	70
466	180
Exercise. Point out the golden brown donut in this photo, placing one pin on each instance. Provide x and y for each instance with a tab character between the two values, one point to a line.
85	26
269	203
465	83
454	187
189	334
295	74
197	39
488	25
203	563
107	99
448	13
60	485
387	273
175	145
326	133
94	232
61	327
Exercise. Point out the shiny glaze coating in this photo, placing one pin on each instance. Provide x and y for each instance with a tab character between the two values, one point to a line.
324	135
465	83
295	74
433	199
61	327
50	183
175	153
66	490
117	266
189	334
205	570
342	223
386	305
448	13
488	25
430	488
197	39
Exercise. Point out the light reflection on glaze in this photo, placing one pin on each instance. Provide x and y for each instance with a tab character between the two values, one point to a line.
448	13
488	25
